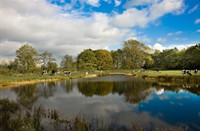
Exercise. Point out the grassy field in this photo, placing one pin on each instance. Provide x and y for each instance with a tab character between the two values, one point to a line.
169	75
15	80
163	73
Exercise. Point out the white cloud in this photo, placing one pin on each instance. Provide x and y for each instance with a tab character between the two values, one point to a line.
181	39
193	9
131	17
47	27
166	6
160	91
197	21
93	2
133	3
144	38
58	33
174	33
117	2
180	47
161	40
160	47
135	17
198	30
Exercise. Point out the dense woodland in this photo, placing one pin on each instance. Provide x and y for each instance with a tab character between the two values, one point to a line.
133	55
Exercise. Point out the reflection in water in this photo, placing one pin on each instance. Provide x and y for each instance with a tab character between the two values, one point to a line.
47	89
67	85
133	90
26	95
119	99
95	88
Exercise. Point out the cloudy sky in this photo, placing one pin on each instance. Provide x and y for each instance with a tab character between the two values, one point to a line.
69	26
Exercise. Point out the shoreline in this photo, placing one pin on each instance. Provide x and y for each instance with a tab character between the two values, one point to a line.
15	84
155	78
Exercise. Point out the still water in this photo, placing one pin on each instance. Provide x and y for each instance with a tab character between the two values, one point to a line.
121	100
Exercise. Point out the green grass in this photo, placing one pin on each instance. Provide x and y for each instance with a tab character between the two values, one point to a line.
162	73
170	75
10	80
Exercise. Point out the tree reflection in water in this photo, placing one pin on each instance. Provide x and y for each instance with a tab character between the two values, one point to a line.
95	88
47	89
29	94
67	85
26	95
134	91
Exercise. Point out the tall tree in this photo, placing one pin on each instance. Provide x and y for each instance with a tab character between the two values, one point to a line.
117	58
86	60
134	54
67	62
45	58
27	57
104	59
191	58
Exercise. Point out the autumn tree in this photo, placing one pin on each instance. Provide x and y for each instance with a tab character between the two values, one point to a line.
104	59
86	60
134	54
27	57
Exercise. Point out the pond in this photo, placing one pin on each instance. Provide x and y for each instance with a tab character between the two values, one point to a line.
122	101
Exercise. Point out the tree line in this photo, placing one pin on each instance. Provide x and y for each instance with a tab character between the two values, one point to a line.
133	55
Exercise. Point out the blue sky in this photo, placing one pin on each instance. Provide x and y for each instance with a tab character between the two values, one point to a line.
170	29
70	26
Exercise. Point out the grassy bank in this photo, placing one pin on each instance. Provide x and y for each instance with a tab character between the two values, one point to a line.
16	80
168	77
162	77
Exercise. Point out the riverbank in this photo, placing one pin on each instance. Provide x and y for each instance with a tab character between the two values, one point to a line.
169	77
162	77
17	80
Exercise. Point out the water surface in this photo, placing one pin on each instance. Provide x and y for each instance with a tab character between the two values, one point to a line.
121	100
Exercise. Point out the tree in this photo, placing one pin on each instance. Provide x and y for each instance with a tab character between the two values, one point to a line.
117	58
52	66
148	62
86	60
27	57
168	59
134	54
157	59
104	59
67	62
45	58
191	58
